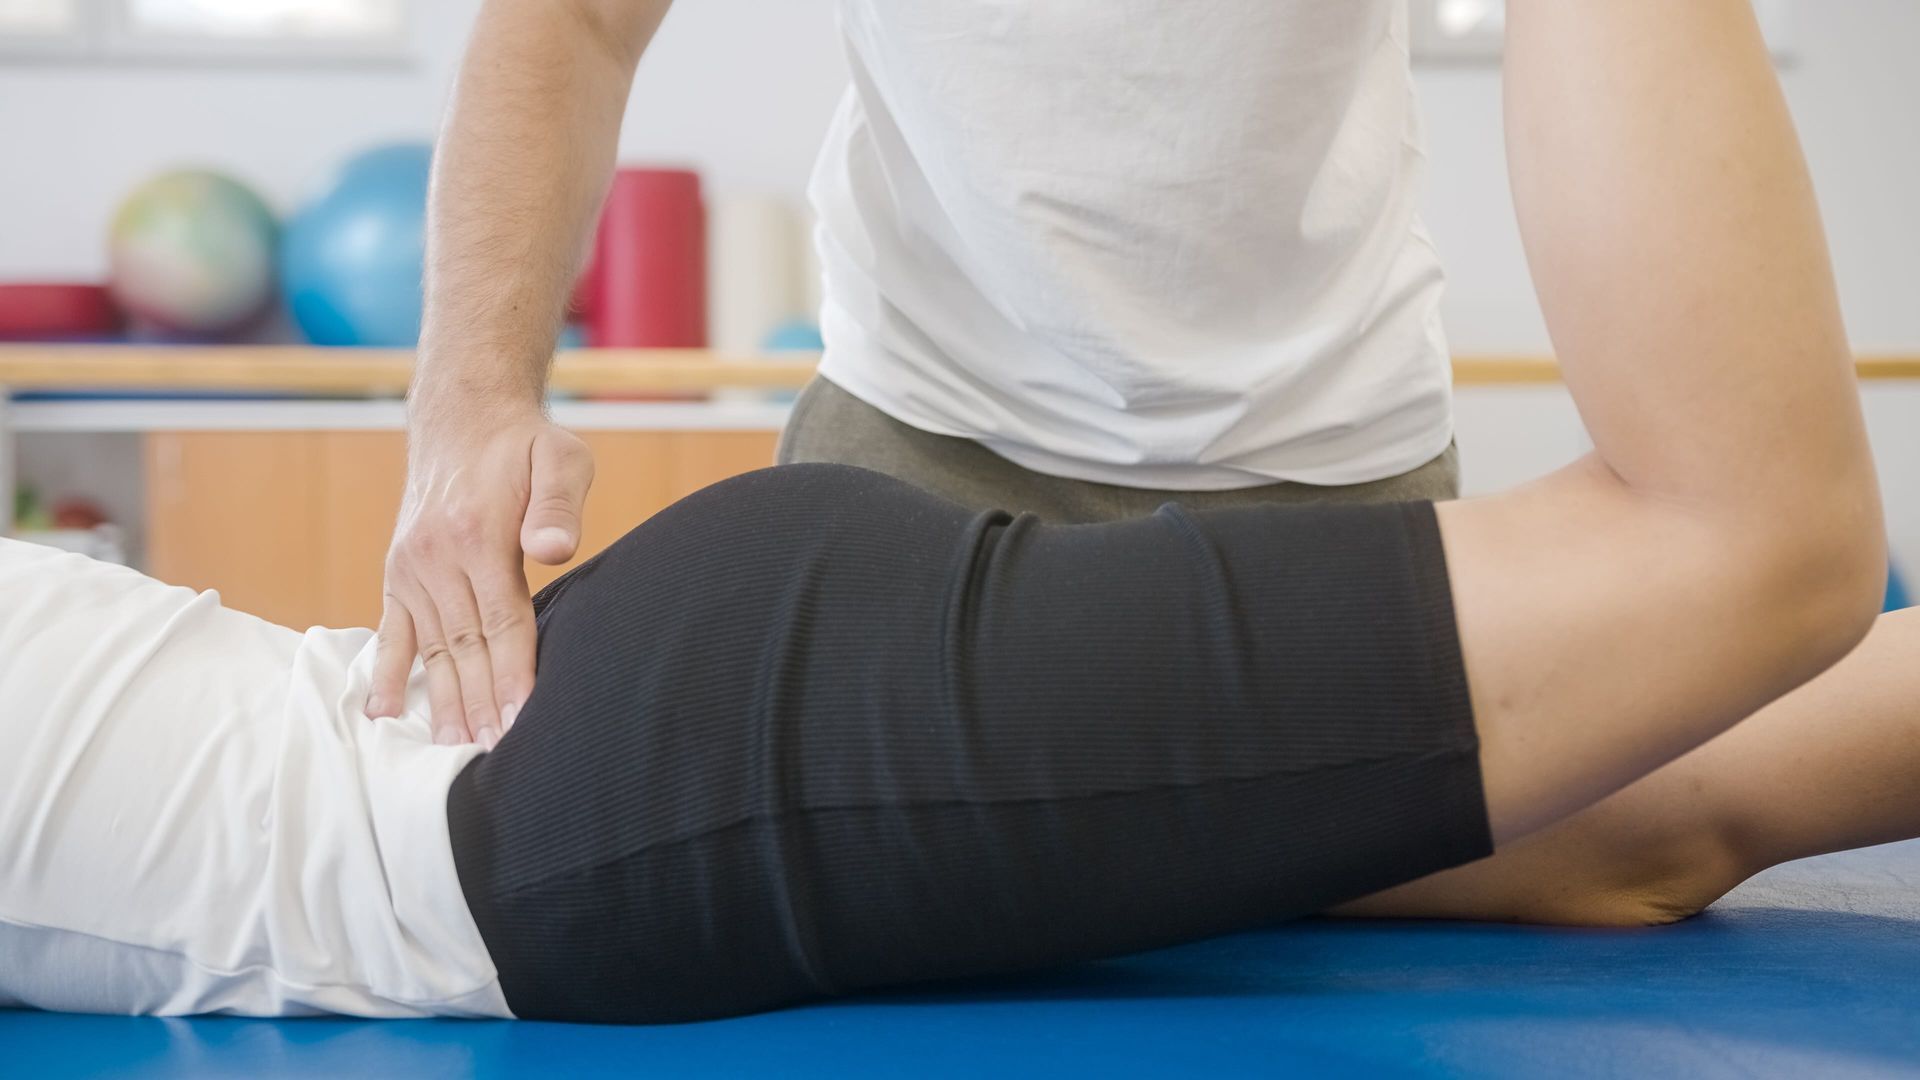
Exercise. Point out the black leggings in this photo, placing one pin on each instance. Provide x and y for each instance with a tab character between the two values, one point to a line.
813	731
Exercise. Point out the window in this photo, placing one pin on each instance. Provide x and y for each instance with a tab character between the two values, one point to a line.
1474	30
1463	18
117	29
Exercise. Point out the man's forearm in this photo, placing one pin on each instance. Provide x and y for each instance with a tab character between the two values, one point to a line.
521	168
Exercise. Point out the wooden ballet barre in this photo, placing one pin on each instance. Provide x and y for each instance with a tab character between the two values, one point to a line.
304	369
1527	370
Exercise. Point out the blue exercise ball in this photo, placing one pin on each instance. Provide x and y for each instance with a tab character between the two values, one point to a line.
1898	598
351	260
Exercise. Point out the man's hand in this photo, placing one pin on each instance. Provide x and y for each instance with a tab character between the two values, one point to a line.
518	176
456	595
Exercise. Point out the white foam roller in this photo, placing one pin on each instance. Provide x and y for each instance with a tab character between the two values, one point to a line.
755	270
812	276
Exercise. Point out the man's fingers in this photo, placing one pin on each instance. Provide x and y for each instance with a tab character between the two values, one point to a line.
562	474
443	681
466	641
456	574
393	653
506	620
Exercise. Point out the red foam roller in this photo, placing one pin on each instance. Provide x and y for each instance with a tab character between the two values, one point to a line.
649	275
41	311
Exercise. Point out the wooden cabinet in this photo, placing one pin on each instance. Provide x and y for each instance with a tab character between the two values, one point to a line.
293	525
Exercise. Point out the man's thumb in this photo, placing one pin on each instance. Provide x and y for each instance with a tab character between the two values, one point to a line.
562	473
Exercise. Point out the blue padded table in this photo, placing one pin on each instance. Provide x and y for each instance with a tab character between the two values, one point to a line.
1810	970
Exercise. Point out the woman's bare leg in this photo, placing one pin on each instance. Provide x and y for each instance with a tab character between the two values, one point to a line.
1833	766
1723	545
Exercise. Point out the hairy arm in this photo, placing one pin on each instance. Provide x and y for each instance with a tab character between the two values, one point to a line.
521	168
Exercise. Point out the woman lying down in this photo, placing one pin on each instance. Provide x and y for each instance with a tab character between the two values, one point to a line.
811	731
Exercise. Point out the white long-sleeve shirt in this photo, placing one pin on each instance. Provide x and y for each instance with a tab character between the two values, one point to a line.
195	817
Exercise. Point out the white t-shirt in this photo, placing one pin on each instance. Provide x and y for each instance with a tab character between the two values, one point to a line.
195	817
1142	242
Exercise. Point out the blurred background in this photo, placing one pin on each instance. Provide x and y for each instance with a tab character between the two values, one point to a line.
98	98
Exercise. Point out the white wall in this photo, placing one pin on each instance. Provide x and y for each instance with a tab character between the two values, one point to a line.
744	88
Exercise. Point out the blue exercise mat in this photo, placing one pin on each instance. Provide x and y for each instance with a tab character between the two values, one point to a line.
1810	970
